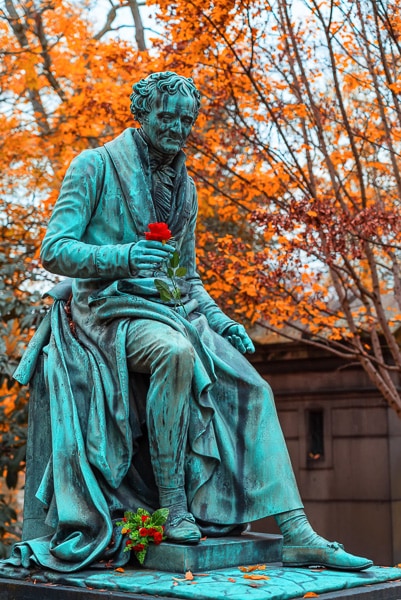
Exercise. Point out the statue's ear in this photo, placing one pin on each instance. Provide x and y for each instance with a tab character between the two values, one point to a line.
142	117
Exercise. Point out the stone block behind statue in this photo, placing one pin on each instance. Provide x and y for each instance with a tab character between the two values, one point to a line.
152	402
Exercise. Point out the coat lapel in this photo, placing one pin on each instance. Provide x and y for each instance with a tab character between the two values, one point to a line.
130	160
133	178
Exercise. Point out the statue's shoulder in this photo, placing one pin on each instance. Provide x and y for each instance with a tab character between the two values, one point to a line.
91	156
191	185
99	156
89	162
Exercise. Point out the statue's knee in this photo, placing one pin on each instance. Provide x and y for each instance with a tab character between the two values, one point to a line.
181	351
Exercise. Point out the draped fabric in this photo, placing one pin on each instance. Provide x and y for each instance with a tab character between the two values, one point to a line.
237	467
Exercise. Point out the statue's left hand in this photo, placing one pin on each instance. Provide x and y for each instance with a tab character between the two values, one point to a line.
238	337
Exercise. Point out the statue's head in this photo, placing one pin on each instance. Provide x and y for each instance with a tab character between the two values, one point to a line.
166	105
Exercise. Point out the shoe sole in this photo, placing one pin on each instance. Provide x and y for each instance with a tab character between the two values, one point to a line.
327	566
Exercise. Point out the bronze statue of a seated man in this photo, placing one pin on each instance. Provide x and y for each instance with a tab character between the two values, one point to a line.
152	406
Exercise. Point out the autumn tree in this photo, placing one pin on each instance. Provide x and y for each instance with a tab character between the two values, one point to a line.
298	157
295	154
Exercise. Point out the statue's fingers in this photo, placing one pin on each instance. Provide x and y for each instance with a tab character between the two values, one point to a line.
157	256
249	346
167	248
238	343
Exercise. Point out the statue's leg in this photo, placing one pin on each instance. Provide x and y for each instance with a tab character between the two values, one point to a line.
168	357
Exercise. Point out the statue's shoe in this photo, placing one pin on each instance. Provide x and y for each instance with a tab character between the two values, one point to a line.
182	529
332	555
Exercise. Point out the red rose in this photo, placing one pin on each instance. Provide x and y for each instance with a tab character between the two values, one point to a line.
157	537
125	519
138	547
144	518
158	232
128	542
143	532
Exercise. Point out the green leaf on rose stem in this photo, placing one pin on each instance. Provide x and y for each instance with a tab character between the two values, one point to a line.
162	286
159	517
175	259
165	297
170	272
181	271
177	294
141	555
163	289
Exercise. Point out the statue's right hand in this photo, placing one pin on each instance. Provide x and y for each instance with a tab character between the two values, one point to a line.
147	254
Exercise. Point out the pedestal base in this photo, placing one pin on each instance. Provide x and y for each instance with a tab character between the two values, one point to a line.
282	584
215	553
209	580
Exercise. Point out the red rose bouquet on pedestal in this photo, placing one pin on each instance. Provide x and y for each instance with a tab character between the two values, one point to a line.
143	528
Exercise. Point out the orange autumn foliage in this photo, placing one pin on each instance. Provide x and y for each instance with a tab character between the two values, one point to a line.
295	156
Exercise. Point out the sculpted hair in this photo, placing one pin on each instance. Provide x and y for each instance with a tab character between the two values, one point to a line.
145	91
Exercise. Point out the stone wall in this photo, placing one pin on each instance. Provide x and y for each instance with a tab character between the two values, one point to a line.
345	445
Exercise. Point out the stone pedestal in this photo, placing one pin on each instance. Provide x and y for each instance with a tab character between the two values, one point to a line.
215	553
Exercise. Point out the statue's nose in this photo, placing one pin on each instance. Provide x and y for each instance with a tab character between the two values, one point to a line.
176	126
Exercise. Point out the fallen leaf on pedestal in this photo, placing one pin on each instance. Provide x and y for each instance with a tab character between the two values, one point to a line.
256	577
188	577
311	595
250	568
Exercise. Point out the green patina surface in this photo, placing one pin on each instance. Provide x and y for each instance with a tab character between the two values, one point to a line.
283	583
148	406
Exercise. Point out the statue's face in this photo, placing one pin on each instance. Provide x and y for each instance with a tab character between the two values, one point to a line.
169	122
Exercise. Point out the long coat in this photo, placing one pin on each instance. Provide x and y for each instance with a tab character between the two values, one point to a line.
237	465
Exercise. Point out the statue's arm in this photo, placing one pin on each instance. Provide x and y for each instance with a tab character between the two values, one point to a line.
63	251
